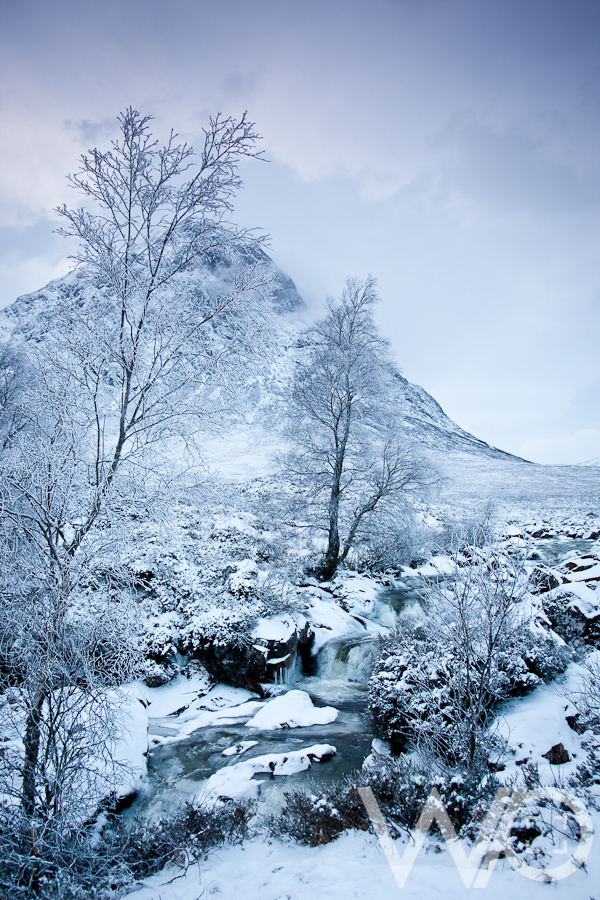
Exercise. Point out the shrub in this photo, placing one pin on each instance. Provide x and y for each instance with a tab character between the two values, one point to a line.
184	836
320	814
390	544
437	681
402	787
81	865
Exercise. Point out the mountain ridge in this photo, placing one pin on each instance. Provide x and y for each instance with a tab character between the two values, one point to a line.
29	319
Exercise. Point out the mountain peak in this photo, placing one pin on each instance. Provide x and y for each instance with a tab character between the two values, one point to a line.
31	316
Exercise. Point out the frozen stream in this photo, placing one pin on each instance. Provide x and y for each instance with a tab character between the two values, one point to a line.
178	768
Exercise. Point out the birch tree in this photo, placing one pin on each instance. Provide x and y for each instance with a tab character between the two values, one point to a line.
140	369
349	458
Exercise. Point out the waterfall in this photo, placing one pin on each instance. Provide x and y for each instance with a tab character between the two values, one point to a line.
347	660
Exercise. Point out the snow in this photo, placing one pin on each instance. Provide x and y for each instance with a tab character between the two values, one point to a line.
231	715
293	709
163	701
588	600
437	565
236	782
353	867
239	748
178	709
592	573
534	724
130	749
277	628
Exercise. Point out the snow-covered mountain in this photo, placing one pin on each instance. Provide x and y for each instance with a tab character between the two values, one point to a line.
30	316
591	462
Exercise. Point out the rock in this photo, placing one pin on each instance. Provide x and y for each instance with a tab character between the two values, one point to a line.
569	622
573	722
249	665
557	755
155	674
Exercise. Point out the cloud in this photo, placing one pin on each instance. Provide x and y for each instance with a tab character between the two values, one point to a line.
449	147
30	257
508	169
88	132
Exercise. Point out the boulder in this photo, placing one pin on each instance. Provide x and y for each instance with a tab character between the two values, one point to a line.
557	755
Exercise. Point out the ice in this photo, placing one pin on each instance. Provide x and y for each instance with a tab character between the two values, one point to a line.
239	748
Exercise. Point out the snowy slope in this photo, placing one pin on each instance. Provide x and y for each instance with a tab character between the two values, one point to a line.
29	318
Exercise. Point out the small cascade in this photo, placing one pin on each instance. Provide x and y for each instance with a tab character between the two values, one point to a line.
347	660
393	602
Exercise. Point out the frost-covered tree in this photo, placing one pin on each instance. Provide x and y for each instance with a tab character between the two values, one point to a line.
125	376
156	348
13	376
349	459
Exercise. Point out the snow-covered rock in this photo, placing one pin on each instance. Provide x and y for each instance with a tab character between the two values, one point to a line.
293	709
236	782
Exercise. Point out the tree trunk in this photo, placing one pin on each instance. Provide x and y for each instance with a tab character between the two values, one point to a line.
332	557
32	745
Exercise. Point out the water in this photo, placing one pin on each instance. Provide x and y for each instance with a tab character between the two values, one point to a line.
176	771
555	551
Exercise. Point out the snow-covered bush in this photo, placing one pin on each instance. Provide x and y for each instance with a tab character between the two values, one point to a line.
389	545
82	864
320	813
402	787
437	681
415	698
587	695
468	531
248	595
62	670
544	655
586	700
186	835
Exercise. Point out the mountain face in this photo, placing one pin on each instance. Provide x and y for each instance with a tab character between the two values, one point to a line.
30	317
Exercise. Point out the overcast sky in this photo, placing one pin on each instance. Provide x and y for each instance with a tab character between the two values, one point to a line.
451	148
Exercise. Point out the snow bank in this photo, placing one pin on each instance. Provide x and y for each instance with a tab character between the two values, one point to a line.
353	867
180	708
292	710
278	628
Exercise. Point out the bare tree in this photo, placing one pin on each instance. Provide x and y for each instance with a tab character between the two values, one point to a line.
349	458
62	669
481	616
155	340
142	362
